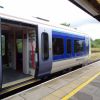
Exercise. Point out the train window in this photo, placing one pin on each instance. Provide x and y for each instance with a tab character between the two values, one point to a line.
68	47
45	46
78	46
58	46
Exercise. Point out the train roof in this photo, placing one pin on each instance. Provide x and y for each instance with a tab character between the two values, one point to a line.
35	21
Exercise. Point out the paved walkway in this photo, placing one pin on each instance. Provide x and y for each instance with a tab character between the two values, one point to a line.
90	92
63	87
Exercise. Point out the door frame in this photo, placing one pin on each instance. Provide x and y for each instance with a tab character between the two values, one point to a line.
25	53
0	59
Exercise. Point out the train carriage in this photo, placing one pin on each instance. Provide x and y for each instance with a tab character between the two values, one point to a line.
31	47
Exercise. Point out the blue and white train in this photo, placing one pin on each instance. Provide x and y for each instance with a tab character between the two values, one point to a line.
37	48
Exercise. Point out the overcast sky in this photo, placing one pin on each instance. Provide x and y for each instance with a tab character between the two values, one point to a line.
57	11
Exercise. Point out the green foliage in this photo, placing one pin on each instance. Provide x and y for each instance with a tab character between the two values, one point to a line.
65	24
95	43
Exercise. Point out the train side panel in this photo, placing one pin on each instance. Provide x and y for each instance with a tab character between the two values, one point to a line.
63	64
71	54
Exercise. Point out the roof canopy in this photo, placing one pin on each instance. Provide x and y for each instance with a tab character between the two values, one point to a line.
92	7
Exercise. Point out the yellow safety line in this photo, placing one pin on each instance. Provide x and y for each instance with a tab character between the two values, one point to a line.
80	87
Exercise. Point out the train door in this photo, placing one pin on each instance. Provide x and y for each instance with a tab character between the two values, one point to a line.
45	51
17	51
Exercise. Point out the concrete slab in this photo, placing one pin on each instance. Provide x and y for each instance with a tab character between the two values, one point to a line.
83	96
90	92
50	97
36	93
96	98
59	93
16	98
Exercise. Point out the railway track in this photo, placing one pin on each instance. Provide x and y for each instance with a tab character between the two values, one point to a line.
10	90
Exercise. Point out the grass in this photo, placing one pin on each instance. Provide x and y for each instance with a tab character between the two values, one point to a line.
95	54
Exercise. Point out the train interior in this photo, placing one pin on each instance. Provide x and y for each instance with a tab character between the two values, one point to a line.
18	52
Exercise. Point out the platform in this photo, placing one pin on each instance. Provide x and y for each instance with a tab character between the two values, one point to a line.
67	86
90	92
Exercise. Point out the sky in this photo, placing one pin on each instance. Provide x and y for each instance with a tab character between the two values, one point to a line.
58	11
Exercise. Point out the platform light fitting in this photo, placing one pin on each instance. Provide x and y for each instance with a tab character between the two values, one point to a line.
1	7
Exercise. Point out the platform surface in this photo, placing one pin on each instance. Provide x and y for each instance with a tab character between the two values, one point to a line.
65	87
90	92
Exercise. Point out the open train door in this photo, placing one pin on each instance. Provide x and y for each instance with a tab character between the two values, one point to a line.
45	50
0	60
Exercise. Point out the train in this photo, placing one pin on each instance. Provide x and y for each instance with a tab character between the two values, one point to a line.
37	48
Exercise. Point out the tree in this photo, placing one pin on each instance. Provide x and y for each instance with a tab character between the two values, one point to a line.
95	43
65	24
